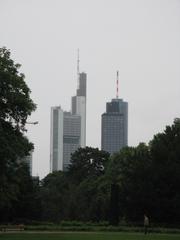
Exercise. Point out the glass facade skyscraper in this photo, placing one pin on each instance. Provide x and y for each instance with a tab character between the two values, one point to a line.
71	136
114	126
68	129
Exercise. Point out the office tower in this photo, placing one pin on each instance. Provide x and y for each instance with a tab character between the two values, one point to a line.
28	161
56	139
79	106
114	125
71	136
65	137
68	129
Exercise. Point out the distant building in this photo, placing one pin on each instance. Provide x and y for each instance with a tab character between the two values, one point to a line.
71	136
78	106
68	129
114	126
28	161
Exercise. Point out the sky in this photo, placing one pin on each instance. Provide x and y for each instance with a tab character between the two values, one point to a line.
140	38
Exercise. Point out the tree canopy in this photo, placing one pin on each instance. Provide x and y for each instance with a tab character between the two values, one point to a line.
88	162
15	102
15	107
124	186
165	153
148	177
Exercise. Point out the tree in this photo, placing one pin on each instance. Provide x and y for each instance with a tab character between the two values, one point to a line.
85	175
81	193
13	148
15	107
86	162
129	172
148	178
15	102
91	199
55	196
165	151
27	205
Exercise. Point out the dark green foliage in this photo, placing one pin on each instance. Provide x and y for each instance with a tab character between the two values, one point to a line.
130	170
15	106
54	196
86	173
26	205
114	205
165	150
82	192
134	181
87	162
92	196
149	179
15	102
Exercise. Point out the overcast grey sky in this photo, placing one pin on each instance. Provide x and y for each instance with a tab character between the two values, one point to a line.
140	38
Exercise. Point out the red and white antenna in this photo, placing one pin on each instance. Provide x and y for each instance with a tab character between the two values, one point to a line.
117	85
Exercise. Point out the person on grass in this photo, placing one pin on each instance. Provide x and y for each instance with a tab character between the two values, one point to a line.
146	224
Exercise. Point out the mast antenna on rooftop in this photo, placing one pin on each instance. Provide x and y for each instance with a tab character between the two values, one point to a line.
117	85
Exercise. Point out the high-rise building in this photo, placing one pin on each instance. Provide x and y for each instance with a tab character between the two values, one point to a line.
68	129
28	160
71	136
56	139
114	125
79	106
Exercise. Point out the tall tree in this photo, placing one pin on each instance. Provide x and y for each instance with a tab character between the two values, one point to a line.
148	177
165	151
55	196
15	106
15	102
129	170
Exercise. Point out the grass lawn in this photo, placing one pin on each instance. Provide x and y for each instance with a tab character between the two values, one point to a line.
87	236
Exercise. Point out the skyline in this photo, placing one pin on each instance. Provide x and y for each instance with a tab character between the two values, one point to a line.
139	38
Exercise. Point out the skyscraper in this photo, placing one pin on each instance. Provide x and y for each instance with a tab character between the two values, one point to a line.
114	125
68	129
79	105
28	161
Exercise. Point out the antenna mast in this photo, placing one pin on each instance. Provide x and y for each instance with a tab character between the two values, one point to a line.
78	68
117	85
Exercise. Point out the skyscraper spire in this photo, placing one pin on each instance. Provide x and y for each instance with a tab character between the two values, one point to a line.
117	85
78	61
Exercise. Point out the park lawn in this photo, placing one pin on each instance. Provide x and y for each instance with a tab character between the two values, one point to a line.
87	236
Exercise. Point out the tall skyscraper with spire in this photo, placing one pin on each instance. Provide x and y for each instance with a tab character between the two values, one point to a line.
68	129
114	124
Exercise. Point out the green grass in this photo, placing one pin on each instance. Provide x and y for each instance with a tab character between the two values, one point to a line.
87	236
